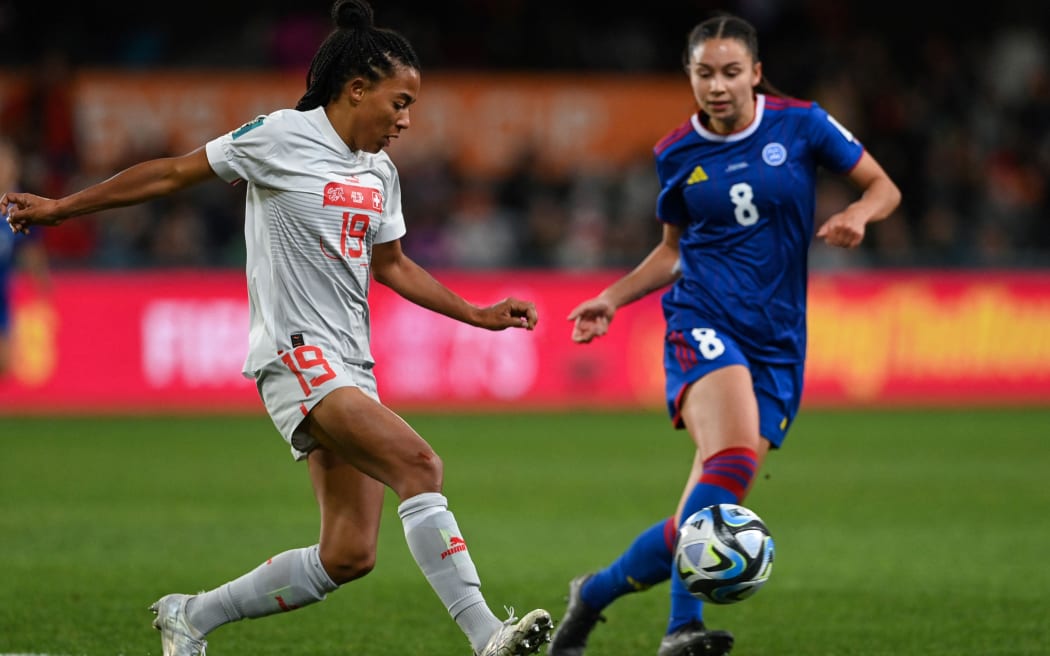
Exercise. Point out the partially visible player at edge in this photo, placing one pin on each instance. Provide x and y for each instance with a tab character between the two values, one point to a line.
323	212
16	250
737	201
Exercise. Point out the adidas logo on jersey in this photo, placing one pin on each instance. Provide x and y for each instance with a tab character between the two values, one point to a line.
698	175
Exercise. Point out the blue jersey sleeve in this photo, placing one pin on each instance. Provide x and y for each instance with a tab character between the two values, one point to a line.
836	148
670	203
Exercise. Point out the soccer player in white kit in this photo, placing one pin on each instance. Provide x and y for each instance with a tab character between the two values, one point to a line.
323	216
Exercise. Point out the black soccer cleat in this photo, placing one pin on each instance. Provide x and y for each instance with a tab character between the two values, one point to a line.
570	635
694	639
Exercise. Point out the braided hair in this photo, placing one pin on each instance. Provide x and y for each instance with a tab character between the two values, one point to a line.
355	48
728	26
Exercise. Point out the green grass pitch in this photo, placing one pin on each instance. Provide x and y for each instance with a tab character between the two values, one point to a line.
897	532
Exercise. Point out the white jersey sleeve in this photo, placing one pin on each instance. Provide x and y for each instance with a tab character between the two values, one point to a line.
394	224
241	154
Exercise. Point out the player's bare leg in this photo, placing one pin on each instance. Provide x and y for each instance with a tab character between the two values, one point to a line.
379	442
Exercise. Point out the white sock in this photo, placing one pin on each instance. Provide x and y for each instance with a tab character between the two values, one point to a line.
287	581
440	551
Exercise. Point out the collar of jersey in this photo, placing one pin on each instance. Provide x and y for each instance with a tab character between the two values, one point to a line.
760	110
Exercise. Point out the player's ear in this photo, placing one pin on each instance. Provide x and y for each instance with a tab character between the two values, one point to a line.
757	71
355	90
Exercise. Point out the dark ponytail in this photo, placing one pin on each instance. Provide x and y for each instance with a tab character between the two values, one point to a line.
351	15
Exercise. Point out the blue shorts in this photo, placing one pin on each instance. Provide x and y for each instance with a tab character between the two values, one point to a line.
691	354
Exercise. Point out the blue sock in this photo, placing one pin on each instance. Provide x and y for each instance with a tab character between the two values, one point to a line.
645	563
725	479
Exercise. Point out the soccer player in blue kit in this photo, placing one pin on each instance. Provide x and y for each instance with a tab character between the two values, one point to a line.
737	199
15	249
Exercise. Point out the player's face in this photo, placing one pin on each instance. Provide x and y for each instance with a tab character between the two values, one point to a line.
723	75
382	110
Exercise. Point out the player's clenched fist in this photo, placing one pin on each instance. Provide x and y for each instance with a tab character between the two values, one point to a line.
24	210
509	313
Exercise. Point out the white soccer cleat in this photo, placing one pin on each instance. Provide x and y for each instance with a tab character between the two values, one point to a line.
177	637
520	637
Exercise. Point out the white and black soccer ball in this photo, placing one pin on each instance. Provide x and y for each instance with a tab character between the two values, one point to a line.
724	553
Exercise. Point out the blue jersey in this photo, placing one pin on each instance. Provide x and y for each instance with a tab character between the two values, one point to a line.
745	203
7	253
10	242
7	256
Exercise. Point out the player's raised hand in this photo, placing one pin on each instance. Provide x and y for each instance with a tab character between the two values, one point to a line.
509	313
24	210
592	319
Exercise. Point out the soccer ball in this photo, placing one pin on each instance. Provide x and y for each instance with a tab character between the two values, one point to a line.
724	553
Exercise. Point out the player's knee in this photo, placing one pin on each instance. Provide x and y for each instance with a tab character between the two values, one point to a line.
422	473
427	468
349	565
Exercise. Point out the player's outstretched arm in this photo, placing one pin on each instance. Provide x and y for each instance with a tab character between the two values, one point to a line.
391	267
135	184
592	317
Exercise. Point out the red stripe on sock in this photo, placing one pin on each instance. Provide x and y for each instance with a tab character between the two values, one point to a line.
286	607
725	482
670	534
734	451
731	469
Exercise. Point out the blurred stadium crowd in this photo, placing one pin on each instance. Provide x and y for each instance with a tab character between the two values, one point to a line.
956	106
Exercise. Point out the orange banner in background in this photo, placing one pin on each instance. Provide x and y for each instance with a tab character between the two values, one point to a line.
157	342
900	338
480	122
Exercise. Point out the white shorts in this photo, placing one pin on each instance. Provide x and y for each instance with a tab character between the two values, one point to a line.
292	384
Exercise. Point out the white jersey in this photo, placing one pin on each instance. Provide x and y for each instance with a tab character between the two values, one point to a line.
314	209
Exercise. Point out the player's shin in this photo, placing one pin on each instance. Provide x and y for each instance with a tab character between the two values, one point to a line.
646	562
441	552
287	581
725	478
